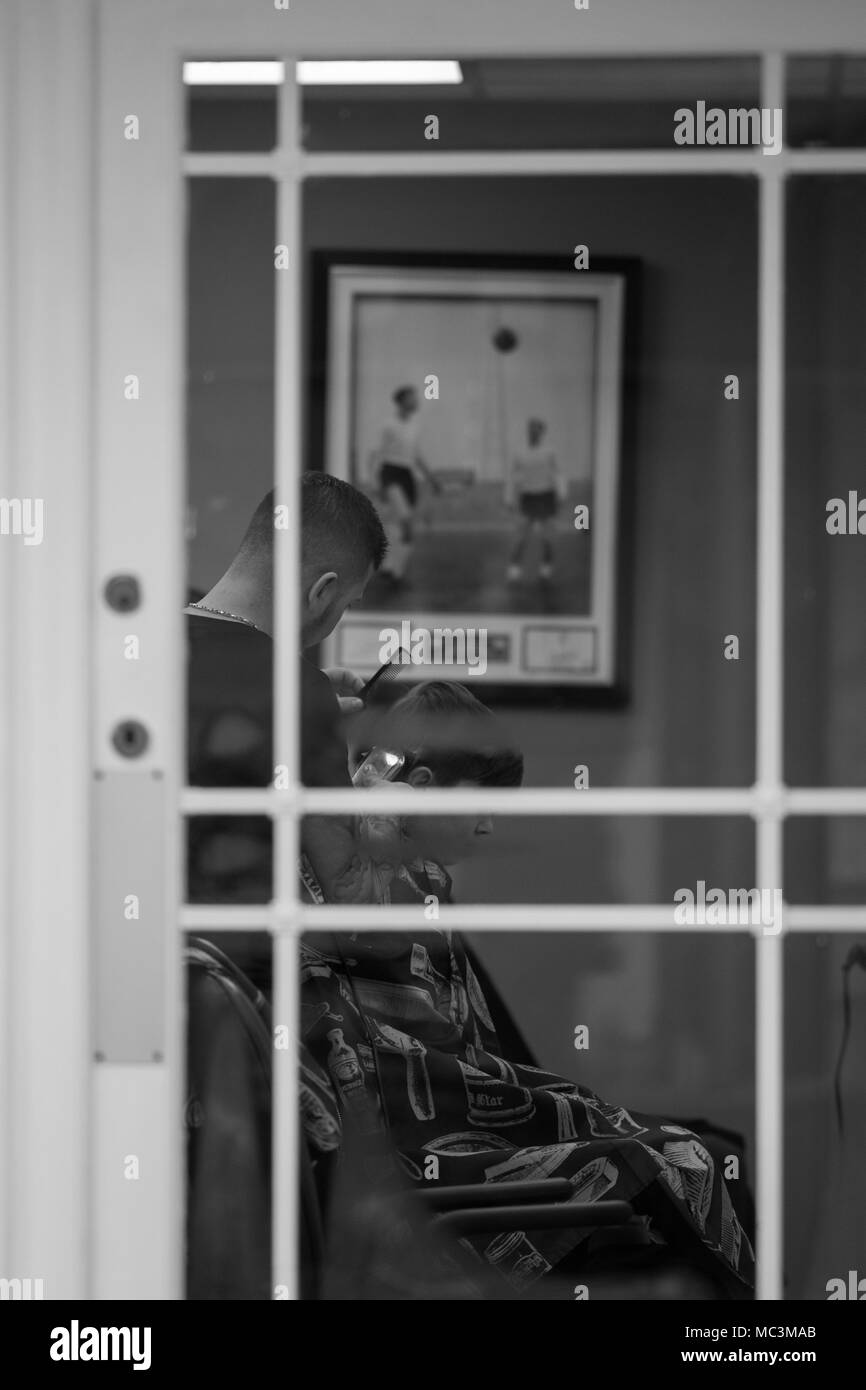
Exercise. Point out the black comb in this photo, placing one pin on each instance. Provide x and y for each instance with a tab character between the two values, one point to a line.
385	674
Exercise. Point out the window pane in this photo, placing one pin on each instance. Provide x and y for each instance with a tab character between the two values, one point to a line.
228	1116
560	859
825	1218
687	468
229	859
825	424
536	104
230	446
826	103
660	1003
824	860
686	536
532	1056
231	118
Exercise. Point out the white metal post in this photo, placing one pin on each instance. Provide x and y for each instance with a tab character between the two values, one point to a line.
9	597
137	1233
288	391
770	1079
46	72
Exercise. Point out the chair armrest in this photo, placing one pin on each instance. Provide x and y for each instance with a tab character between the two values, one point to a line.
436	1198
565	1215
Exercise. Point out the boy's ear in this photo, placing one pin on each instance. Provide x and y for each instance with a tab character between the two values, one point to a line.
420	777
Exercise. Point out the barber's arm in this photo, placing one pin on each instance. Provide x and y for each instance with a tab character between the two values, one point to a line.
344	867
345	873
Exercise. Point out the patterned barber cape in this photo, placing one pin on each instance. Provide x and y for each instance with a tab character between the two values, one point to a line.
397	1033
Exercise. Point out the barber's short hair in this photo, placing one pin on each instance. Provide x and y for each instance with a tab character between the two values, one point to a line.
441	725
402	392
340	527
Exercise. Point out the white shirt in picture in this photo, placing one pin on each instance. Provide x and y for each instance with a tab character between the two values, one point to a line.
535	470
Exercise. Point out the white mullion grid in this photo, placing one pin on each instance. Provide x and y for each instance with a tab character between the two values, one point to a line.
769	602
285	922
529	801
525	917
769	1076
538	801
768	802
579	917
524	163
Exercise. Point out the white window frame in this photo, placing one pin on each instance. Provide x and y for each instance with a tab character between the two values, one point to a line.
139	483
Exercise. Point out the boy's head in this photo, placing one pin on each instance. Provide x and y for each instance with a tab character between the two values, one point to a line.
342	544
406	400
535	430
449	739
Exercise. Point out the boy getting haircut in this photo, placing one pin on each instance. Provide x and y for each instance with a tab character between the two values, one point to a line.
443	726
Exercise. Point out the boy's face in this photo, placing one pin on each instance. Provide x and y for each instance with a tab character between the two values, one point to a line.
448	839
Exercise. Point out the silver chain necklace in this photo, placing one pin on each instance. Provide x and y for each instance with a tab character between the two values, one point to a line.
224	613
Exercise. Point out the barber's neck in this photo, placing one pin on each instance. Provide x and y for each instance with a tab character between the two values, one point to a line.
247	596
242	597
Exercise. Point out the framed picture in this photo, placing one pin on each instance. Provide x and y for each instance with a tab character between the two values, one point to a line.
479	405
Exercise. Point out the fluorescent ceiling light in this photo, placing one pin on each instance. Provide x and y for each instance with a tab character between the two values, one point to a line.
233	74
339	73
379	72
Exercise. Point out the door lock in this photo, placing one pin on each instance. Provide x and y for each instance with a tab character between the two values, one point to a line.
130	738
123	593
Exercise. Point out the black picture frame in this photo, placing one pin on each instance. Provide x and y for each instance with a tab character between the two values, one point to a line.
616	691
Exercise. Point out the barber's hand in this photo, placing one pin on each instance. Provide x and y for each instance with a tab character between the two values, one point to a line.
362	882
353	885
383	838
347	688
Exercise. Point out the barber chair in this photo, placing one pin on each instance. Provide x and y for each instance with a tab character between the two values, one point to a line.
379	1237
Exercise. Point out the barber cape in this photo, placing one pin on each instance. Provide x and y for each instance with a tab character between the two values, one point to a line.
402	1038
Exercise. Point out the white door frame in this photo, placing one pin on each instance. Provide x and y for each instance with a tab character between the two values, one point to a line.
47	169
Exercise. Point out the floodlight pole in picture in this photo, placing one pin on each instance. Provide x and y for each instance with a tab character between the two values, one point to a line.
505	342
